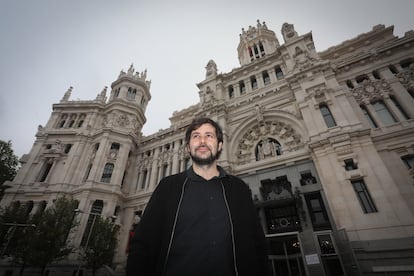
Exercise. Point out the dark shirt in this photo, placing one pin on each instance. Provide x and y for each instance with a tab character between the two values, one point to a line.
202	243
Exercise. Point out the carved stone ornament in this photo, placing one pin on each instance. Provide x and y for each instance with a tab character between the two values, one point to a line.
407	78
255	135
123	120
370	90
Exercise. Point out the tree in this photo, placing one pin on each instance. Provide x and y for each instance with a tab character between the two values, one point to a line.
53	228
101	243
8	164
14	228
47	242
10	217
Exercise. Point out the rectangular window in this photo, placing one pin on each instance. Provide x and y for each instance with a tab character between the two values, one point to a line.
44	172
242	87
317	211
266	78
253	82
164	170
88	171
364	197
408	160
278	72
368	116
350	165
282	219
107	173
327	116
231	91
382	111
144	179
307	179
131	93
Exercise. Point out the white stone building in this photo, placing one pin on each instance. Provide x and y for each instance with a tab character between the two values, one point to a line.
325	141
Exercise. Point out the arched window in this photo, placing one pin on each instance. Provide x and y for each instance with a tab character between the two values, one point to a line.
67	148
368	116
250	52
393	69
405	64
298	50
107	173
262	51
114	149
256	51
123	178
42	206
411	92
253	82
383	113
116	93
29	206
144	179
44	172
131	93
96	210
349	84
376	75
88	171
361	78
266	148
278	72
62	123
266	78
327	116
242	87
231	91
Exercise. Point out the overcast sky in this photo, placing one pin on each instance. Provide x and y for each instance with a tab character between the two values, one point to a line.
48	45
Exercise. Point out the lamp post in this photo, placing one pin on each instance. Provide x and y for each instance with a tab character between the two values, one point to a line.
89	233
10	233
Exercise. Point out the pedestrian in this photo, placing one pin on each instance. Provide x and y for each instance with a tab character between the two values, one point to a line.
201	222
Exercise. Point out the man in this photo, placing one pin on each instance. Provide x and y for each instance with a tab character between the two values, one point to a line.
201	221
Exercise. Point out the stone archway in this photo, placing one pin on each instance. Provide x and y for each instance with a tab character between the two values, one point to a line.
286	136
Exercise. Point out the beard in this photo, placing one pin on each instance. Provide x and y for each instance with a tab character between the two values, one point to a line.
204	160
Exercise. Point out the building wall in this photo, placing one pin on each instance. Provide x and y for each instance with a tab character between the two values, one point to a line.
294	130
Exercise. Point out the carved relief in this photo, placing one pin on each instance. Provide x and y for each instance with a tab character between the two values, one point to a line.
211	69
259	134
288	31
123	120
406	78
370	90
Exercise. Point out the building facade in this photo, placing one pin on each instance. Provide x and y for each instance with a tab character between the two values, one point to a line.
325	141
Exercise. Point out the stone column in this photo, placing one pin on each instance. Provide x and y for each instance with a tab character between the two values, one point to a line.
175	158
120	164
154	170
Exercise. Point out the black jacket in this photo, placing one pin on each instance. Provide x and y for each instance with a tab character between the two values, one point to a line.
148	252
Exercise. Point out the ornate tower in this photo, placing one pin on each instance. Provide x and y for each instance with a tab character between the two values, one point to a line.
256	42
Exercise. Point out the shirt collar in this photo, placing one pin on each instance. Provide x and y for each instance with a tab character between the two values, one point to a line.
193	176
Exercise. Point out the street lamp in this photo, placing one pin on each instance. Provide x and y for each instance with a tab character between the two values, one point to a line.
10	233
89	233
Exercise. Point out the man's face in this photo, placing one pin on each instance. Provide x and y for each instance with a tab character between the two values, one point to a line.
204	146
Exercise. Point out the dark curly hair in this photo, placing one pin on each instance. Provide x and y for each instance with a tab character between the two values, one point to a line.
198	122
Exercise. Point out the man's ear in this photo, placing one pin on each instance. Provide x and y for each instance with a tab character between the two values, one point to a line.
220	146
187	148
